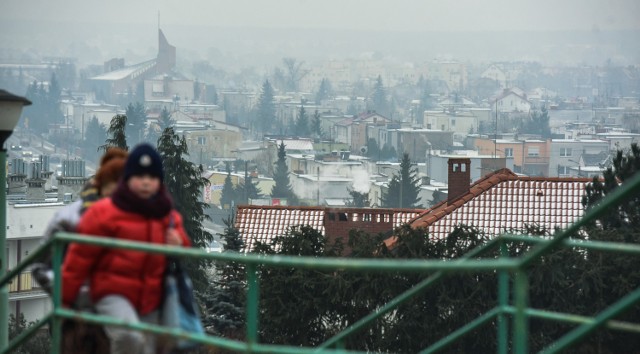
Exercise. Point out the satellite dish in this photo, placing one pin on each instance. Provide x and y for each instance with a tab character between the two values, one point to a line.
363	150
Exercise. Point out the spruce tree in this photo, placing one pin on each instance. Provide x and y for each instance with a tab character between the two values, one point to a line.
358	199
266	110
302	122
316	125
228	195
166	120
224	299
117	131
246	190
136	122
404	187
379	97
324	91
185	183
282	187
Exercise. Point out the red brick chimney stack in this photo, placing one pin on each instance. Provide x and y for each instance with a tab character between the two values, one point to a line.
459	177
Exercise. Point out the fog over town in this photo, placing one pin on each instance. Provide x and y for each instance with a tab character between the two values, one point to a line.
402	131
372	80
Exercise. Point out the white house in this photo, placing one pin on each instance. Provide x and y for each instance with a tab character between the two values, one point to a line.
511	101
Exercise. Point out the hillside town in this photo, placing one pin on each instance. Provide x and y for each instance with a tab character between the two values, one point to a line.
496	145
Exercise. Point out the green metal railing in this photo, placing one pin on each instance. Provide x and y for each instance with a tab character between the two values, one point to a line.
518	312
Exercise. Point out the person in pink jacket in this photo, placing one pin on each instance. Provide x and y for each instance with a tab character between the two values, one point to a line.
127	284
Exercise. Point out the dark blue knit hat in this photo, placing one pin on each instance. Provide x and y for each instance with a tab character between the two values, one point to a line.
144	160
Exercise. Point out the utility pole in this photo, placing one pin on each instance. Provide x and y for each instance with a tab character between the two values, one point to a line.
246	177
318	191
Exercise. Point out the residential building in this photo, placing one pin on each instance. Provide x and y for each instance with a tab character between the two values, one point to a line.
503	202
510	101
210	140
29	209
263	223
530	156
480	165
565	153
353	131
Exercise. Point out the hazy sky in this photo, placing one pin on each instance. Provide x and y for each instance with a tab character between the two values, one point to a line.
420	15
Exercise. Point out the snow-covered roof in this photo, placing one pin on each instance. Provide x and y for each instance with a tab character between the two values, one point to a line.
504	201
263	223
125	72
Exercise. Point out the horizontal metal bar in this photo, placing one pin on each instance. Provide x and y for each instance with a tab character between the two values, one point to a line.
404	265
462	331
576	319
24	336
204	339
617	247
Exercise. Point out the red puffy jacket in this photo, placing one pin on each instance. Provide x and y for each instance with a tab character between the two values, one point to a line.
136	275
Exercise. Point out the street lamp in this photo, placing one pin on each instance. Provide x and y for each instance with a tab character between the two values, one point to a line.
579	167
10	109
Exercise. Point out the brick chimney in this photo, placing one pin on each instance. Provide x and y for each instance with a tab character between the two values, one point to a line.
459	177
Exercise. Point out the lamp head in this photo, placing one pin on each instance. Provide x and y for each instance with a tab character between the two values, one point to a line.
10	110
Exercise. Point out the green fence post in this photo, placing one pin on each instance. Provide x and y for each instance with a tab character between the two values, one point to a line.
520	325
56	322
252	305
503	301
4	262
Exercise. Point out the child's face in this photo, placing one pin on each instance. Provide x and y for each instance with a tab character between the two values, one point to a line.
144	186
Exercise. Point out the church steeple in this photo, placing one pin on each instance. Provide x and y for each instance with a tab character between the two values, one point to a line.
166	60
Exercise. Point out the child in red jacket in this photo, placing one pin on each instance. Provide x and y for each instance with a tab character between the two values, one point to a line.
127	284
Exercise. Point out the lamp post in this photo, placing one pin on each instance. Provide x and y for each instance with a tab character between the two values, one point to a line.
10	109
579	167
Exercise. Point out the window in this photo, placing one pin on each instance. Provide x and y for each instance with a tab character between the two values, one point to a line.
508	152
564	152
202	140
563	170
453	122
533	151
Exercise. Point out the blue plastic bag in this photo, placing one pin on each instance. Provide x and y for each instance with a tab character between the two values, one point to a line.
179	309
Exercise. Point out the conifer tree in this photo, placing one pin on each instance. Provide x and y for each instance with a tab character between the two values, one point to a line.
404	187
246	190
316	125
266	110
358	199
379	97
224	299
302	122
228	195
185	183
136	122
324	91
117	131
282	187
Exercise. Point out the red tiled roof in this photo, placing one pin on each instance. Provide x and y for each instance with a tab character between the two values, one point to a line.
504	201
263	223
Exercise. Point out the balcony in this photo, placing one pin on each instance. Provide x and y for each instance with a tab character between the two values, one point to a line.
25	287
536	160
